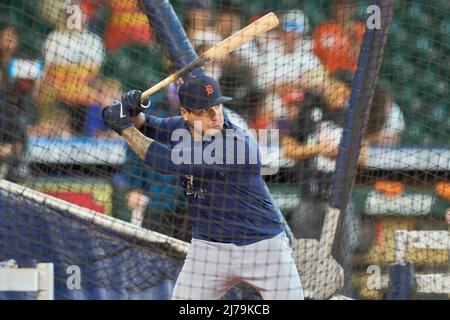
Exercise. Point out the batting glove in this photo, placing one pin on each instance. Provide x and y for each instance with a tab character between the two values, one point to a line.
131	101
116	117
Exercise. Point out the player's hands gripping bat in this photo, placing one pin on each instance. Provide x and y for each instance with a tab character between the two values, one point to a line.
133	102
116	117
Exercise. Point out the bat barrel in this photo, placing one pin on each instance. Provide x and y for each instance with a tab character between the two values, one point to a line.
233	42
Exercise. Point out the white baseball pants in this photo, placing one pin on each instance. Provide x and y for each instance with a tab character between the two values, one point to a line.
211	269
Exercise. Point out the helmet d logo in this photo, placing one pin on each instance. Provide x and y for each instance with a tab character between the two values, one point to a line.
209	90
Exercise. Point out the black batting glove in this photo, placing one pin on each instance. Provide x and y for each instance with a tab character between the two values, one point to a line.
116	117
131	101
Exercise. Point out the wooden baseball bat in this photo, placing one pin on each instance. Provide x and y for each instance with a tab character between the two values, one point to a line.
236	40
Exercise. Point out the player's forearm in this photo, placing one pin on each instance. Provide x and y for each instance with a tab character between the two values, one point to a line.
154	154
137	141
138	121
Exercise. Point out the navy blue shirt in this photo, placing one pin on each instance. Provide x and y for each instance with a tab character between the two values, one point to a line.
228	202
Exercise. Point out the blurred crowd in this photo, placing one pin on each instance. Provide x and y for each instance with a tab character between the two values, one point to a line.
297	78
269	77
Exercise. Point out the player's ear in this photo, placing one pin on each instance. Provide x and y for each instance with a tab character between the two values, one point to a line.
184	113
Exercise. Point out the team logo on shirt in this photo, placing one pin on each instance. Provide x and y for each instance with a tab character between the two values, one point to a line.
193	188
209	90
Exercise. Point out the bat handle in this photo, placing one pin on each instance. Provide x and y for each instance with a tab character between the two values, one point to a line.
158	86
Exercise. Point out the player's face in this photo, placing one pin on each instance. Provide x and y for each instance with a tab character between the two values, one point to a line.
210	118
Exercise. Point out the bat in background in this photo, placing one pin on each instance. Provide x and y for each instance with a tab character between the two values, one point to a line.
233	42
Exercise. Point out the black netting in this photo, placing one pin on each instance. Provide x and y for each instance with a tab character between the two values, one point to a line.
63	62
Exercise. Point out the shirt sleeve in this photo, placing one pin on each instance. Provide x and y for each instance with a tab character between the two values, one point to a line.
160	129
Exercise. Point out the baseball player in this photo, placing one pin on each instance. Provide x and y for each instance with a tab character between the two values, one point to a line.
237	234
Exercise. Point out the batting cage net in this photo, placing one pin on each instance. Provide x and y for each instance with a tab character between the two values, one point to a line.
325	176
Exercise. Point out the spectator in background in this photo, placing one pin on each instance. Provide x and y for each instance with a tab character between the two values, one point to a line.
197	23
212	69
394	124
256	52
334	89
291	102
50	11
383	109
54	124
238	81
267	112
312	139
337	42
228	18
289	56
228	21
12	134
109	90
249	107
73	57
127	24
